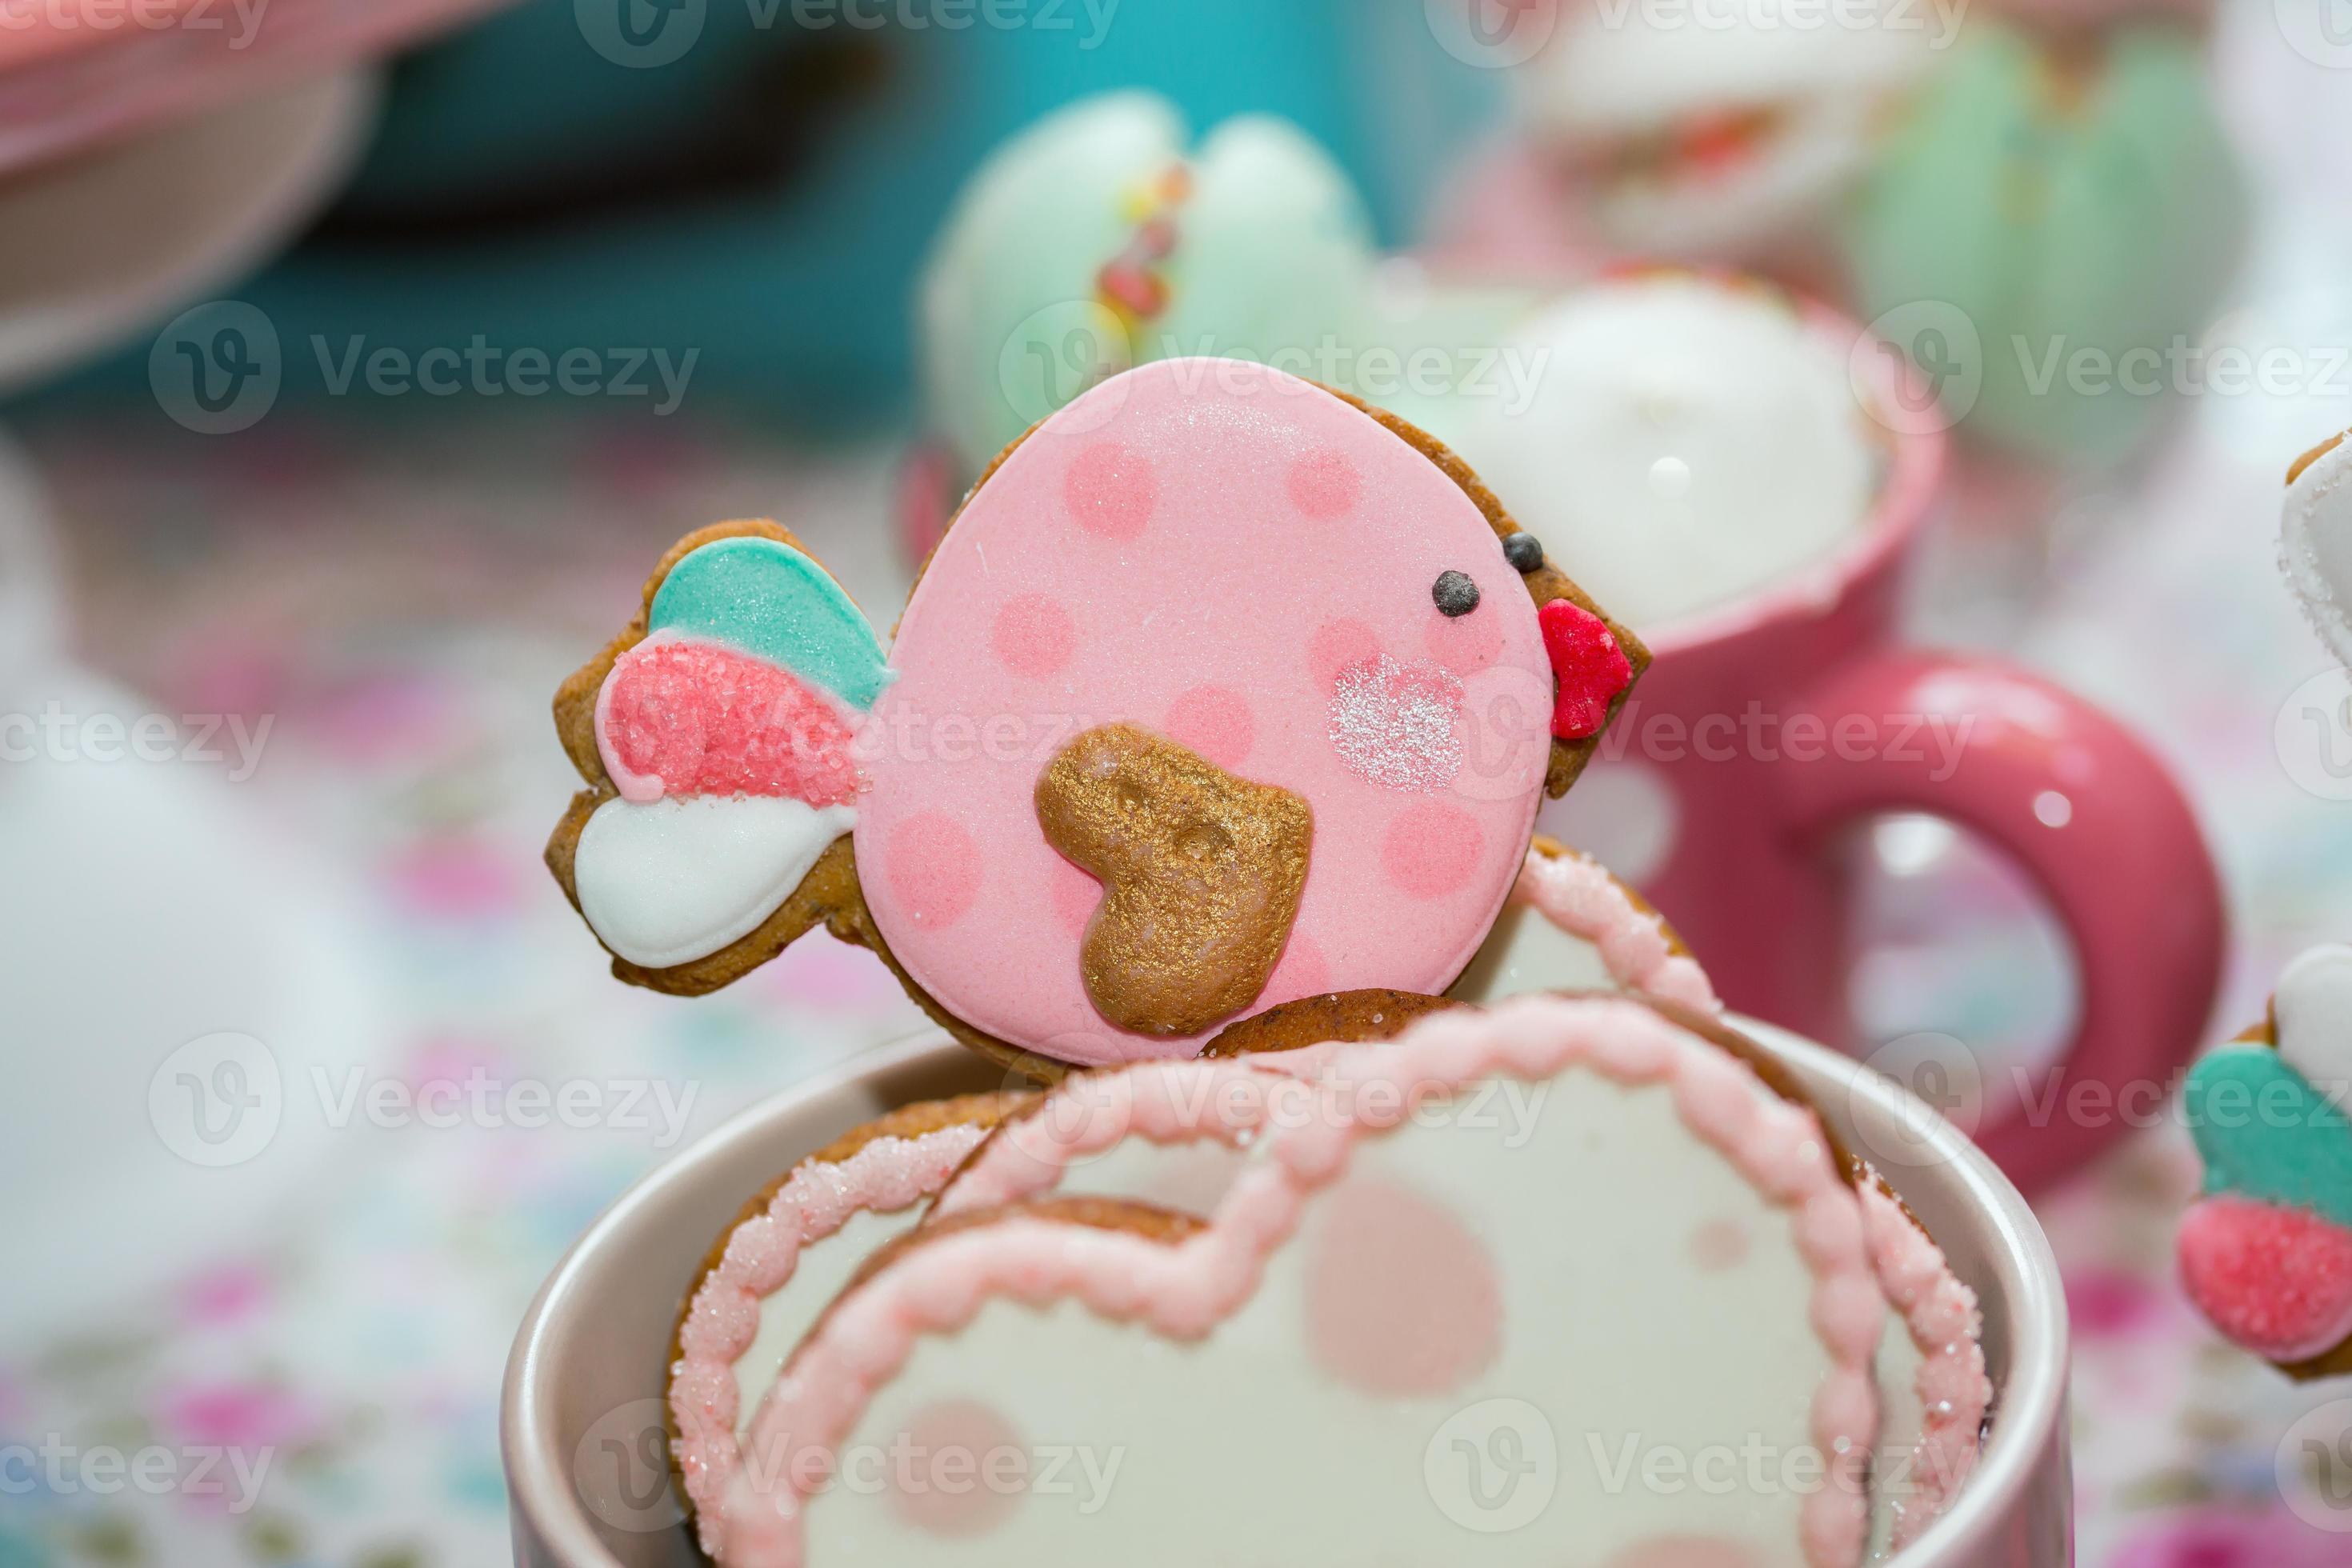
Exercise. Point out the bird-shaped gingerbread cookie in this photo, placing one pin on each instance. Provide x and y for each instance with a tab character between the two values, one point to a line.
1223	690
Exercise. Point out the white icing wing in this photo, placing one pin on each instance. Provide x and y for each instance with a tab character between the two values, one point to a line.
2314	1005
672	880
2315	547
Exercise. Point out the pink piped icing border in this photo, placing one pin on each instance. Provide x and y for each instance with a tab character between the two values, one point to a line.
1185	1288
1953	1388
1576	893
817	1200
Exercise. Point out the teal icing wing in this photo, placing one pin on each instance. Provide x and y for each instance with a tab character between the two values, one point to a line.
774	603
2266	1133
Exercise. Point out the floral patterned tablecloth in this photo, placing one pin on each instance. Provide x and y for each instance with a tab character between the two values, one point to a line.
404	597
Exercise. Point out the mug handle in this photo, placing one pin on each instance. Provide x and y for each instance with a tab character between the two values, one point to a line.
2092	817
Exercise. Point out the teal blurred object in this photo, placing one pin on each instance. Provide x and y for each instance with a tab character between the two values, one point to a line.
766	199
2061	207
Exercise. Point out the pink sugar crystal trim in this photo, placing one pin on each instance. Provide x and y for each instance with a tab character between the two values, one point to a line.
1953	1389
1575	893
1185	1290
817	1200
681	716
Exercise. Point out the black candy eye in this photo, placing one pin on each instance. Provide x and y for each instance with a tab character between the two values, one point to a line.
1455	593
1523	550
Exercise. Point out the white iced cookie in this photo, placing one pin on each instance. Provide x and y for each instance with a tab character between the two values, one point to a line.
1722	142
1100	239
1379	1305
1690	442
2313	1010
2315	543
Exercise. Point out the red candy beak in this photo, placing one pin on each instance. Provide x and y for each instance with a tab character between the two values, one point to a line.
1591	669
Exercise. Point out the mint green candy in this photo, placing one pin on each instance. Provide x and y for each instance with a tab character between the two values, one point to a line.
2083	226
768	599
2266	1133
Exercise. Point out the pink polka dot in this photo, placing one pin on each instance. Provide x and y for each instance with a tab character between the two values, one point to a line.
1718	1245
1033	636
1215	721
1402	1300
934	869
1301	973
961	1472
1074	895
1324	485
1685	1551
1432	849
1110	491
1466	644
1337	646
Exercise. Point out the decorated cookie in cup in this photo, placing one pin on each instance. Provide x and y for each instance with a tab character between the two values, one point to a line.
1223	690
794	1246
1147	1133
1352	1314
2266	1254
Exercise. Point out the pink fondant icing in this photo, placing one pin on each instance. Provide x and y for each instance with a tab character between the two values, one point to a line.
683	717
1432	849
932	871
885	1176
1216	722
1953	1389
1324	485
1576	894
1308	1126
1109	489
1032	636
1170	513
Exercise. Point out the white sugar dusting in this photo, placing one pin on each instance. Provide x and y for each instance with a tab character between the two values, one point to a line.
1398	725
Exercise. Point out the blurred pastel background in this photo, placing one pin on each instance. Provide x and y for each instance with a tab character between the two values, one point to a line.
348	593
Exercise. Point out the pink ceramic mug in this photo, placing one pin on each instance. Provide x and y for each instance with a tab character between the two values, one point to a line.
1766	727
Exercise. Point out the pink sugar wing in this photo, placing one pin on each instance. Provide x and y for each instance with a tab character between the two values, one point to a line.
684	718
2274	1280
